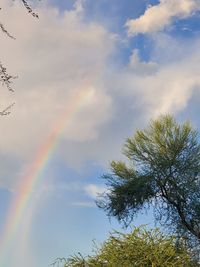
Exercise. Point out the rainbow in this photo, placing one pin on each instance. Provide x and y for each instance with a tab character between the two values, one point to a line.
30	181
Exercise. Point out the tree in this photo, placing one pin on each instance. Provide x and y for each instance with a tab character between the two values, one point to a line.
164	173
5	78
140	248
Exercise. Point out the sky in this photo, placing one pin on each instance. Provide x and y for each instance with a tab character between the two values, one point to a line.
89	74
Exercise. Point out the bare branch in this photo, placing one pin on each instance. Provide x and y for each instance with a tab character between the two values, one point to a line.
30	10
6	32
6	111
5	78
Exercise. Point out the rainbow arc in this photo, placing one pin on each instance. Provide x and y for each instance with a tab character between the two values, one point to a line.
31	180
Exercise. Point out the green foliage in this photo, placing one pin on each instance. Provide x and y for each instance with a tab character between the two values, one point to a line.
140	248
164	172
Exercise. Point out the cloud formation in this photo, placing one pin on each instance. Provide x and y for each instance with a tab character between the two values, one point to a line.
93	190
158	17
164	88
54	57
61	54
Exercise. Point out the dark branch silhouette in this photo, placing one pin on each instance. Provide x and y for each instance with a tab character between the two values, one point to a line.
7	111
5	78
6	32
30	10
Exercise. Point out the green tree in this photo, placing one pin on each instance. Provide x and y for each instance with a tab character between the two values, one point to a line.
163	172
140	248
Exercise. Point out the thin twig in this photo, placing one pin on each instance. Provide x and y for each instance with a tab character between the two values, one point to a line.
6	32
30	10
6	111
5	78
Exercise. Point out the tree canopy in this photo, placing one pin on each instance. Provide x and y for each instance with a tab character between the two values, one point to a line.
140	248
163	171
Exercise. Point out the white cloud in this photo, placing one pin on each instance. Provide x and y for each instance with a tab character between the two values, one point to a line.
93	190
84	204
165	88
140	67
157	17
54	57
58	55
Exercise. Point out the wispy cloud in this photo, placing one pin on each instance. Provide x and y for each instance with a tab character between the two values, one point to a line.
159	16
93	190
84	204
54	55
61	53
64	52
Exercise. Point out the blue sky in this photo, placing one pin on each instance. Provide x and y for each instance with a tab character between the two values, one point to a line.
140	59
